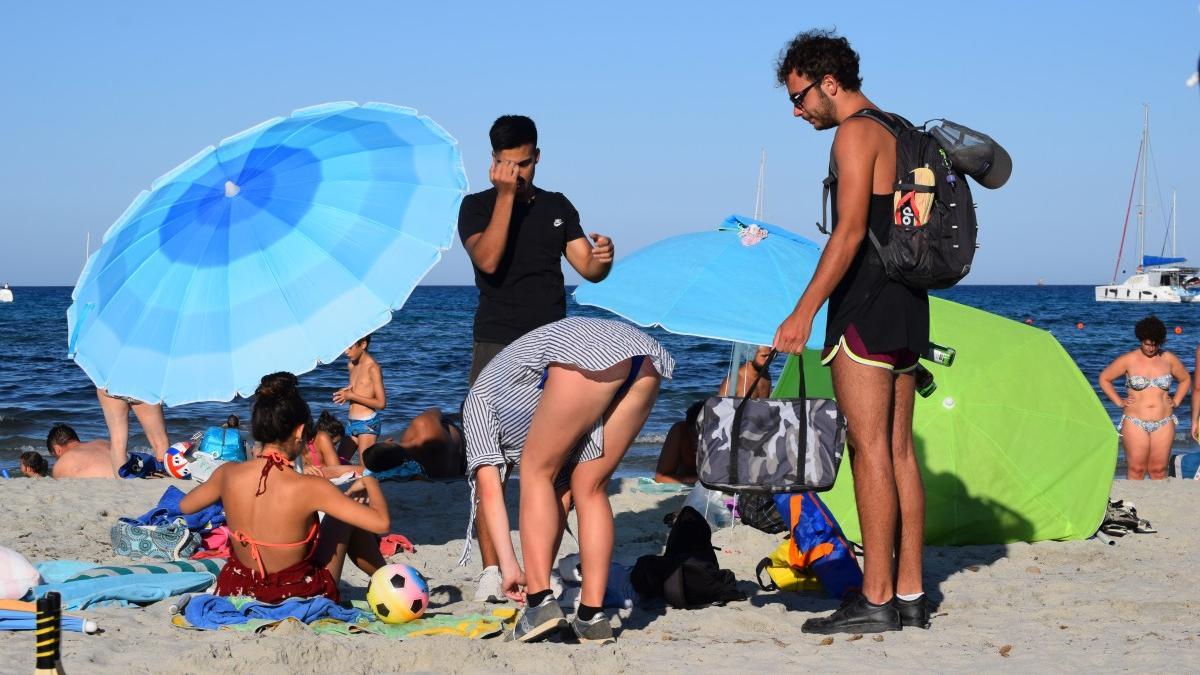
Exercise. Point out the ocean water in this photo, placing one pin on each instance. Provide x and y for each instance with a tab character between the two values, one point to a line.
425	355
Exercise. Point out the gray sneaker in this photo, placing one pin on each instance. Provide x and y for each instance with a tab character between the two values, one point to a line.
536	623
598	631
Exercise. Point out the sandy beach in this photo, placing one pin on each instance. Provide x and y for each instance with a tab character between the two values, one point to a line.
1074	606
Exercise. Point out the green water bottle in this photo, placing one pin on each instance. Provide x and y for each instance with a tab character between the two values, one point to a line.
925	384
943	356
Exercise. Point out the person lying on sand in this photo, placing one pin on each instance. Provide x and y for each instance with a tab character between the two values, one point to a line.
33	465
280	548
76	459
433	439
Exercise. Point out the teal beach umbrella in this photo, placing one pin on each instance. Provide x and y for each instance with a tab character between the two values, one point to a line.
736	282
274	250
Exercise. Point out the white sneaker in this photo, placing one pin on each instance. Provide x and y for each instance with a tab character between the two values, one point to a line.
556	584
489	586
568	567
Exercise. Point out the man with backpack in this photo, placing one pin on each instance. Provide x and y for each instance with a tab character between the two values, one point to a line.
876	329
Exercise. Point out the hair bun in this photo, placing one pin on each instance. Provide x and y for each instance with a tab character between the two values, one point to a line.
277	384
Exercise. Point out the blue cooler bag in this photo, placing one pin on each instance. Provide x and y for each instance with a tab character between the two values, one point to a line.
224	444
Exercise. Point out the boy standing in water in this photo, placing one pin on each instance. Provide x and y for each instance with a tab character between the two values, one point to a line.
365	395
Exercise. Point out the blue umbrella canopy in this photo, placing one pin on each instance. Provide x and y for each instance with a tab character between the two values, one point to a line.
274	250
737	282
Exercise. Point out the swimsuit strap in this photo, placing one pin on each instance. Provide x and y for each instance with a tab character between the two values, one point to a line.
313	456
246	540
274	459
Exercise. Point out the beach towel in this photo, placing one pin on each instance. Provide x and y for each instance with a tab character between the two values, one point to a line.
212	567
173	541
210	612
126	590
409	470
323	616
214	543
1185	465
652	487
167	511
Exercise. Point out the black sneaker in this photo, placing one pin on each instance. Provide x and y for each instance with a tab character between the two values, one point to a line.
913	613
856	615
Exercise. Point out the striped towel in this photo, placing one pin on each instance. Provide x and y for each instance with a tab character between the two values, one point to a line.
211	565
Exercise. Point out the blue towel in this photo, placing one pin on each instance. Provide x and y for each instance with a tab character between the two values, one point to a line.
167	511
122	591
56	571
210	612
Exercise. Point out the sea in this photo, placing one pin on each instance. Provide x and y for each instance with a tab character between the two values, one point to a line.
425	354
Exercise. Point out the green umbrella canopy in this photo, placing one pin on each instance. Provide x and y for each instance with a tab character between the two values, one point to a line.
1013	445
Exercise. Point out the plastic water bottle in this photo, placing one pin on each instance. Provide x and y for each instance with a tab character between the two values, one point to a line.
711	505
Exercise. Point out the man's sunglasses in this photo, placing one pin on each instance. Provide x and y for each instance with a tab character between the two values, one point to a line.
798	97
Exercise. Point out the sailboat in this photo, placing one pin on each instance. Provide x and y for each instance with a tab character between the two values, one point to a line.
6	293
1157	279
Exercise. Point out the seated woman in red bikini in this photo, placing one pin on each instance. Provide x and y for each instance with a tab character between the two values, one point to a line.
281	549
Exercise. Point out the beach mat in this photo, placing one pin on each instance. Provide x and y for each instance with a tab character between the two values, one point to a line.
471	626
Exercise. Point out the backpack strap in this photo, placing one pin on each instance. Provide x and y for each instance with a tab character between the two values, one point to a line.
893	123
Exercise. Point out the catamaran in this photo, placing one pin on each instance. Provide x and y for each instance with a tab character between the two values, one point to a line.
1157	278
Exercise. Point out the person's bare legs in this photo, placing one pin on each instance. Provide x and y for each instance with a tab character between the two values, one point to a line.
150	416
864	394
572	400
909	488
1136	442
589	482
116	417
1160	451
337	540
364	441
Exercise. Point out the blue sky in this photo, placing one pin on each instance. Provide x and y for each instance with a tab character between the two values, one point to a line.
651	114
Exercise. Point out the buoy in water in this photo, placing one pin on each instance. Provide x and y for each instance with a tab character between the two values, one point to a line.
1178	330
1029	321
1079	325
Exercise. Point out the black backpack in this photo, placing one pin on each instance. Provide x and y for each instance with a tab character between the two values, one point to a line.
687	574
933	241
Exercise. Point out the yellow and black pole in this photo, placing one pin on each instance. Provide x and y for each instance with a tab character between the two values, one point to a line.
49	621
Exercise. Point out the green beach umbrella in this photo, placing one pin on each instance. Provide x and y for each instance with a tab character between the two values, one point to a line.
1013	445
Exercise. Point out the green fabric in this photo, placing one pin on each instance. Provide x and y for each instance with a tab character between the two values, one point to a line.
1013	445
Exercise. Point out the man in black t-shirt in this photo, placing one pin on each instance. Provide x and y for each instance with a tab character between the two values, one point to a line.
516	235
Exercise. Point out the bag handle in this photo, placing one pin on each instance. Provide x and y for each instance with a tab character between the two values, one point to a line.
736	427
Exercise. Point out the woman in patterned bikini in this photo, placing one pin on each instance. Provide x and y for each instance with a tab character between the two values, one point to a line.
1148	421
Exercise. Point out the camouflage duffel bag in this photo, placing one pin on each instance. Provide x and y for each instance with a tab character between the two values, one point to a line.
770	445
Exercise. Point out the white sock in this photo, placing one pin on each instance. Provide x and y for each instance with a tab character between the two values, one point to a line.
910	597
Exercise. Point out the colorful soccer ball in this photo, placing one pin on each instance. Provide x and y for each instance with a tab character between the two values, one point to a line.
398	593
176	463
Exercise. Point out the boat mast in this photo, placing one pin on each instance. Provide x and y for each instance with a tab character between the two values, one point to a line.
758	197
1174	224
1142	204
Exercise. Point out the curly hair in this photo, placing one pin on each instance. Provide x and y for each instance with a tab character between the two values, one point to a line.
35	462
817	53
1150	328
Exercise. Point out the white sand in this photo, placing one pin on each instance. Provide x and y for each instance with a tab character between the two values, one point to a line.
1061	606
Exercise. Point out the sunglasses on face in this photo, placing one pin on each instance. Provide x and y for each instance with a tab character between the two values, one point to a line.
798	97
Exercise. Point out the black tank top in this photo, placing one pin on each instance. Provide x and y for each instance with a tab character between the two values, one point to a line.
887	314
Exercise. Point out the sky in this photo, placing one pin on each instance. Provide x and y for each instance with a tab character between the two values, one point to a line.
651	115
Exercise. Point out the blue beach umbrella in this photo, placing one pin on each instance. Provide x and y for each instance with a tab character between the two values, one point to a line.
274	250
737	282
